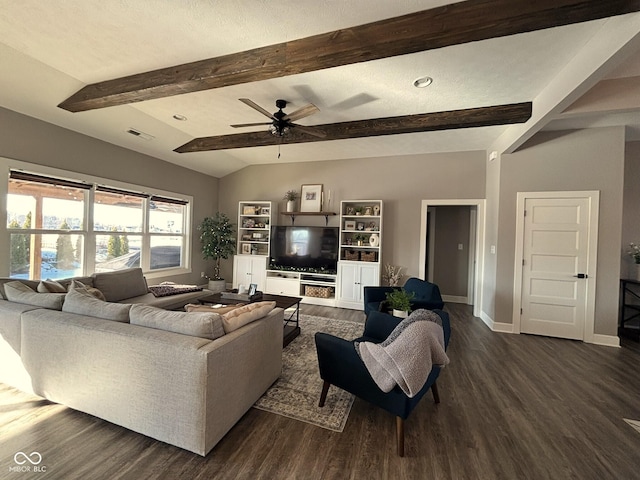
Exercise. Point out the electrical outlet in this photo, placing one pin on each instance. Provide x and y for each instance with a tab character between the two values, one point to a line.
460	246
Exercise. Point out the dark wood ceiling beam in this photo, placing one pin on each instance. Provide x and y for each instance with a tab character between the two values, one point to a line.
425	122
454	24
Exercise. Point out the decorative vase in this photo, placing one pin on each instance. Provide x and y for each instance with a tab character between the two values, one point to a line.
291	206
374	240
635	272
400	313
216	286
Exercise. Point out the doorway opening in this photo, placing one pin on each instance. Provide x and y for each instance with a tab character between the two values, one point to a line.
451	246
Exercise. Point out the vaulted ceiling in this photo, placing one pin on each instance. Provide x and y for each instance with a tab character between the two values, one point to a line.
114	67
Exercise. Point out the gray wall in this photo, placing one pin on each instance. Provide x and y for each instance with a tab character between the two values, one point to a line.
570	160
631	208
400	182
451	266
29	140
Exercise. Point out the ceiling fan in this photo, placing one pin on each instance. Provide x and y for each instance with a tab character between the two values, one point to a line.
282	123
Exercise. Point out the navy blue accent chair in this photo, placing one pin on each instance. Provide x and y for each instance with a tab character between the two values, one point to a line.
426	295
341	366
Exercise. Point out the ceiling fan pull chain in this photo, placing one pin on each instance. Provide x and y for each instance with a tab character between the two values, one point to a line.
278	150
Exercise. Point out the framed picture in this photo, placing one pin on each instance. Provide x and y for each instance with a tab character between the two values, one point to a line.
311	198
248	210
350	225
265	211
253	288
246	248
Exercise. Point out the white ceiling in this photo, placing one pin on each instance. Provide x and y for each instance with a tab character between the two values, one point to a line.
49	50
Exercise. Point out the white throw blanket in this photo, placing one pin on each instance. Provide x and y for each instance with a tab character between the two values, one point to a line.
407	356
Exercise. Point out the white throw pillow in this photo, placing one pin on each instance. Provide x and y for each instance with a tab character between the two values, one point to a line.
82	302
20	293
240	317
195	324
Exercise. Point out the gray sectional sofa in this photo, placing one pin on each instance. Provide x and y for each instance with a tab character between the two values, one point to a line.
187	390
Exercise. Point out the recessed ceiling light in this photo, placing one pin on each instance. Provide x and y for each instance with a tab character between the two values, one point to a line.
422	82
179	117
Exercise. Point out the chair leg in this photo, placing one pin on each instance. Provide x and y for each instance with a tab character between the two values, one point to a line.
323	395
434	390
400	435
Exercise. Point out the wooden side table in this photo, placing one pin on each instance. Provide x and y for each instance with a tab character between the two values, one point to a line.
629	318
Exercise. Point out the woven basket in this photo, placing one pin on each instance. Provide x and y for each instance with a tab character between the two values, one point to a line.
351	255
318	292
367	256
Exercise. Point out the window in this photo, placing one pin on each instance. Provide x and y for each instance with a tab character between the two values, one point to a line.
59	228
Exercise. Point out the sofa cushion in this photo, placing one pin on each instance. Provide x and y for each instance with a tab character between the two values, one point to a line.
196	324
82	302
66	282
33	284
239	317
120	284
20	293
50	286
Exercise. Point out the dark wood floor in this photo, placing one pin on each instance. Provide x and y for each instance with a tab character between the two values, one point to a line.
513	407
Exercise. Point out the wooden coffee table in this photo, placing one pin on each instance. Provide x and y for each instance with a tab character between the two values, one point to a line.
291	324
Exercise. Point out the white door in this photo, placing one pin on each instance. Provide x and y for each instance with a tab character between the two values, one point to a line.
555	267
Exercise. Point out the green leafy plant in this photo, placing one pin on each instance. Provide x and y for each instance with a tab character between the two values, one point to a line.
359	237
217	239
291	195
400	299
634	251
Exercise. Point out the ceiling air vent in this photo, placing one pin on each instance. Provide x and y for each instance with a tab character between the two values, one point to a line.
139	134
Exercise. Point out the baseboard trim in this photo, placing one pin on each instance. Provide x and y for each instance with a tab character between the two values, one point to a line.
455	299
496	326
606	340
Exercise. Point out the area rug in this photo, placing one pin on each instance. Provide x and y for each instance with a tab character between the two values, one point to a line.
297	392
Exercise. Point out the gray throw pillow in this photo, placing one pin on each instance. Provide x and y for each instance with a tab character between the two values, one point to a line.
20	293
195	324
82	302
51	286
121	284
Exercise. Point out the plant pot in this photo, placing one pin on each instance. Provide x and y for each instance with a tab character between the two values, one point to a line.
216	286
291	206
635	271
400	313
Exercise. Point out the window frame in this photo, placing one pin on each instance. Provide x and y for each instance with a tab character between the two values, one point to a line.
90	235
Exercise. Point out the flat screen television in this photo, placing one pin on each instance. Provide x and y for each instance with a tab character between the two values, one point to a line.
304	249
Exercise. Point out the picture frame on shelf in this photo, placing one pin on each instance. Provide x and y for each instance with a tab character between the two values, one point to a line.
350	225
249	210
265	211
368	211
350	211
246	249
311	198
360	226
253	288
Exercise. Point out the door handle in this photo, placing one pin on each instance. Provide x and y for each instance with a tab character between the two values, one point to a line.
581	275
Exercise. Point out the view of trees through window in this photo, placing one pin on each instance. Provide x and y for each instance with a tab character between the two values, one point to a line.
50	238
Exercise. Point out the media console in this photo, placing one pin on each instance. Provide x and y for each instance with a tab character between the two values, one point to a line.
314	288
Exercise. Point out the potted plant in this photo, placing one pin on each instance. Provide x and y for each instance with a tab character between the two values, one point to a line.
218	242
359	238
400	302
634	252
291	197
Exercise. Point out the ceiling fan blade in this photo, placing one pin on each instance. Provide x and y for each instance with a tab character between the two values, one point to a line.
316	132
301	113
424	122
239	125
257	107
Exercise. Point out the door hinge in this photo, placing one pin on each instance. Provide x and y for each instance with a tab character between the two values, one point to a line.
520	311
525	213
523	262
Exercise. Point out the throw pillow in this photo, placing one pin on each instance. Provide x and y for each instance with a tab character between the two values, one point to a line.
20	293
82	302
219	309
121	284
196	324
240	317
93	291
51	286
